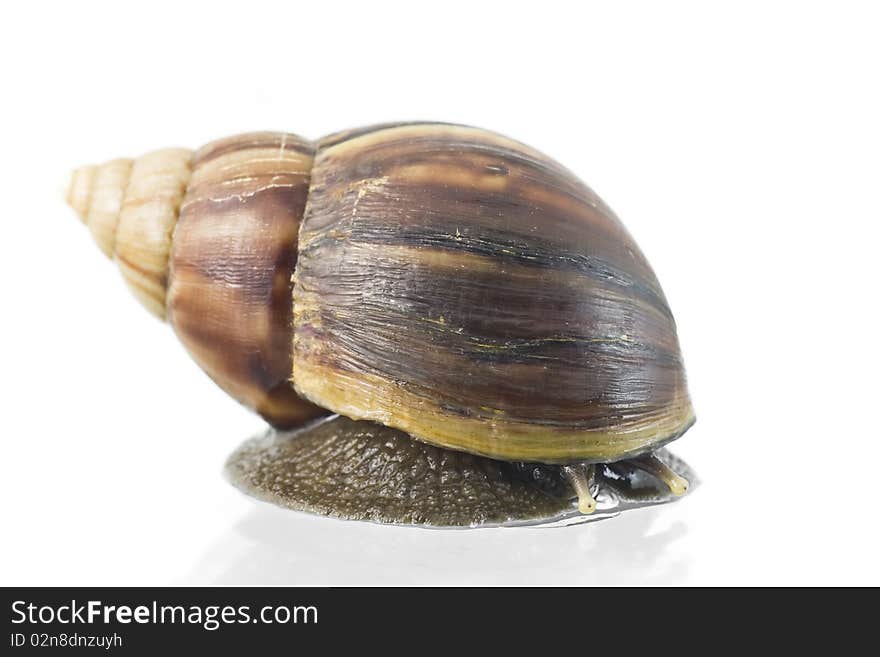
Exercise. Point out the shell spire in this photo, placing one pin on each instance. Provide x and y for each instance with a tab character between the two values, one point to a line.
131	207
207	240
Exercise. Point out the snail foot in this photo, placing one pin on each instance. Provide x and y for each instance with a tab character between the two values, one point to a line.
358	470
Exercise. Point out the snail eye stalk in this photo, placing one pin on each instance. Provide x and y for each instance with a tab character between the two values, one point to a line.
582	478
651	464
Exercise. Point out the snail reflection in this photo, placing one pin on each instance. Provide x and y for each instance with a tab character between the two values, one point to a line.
269	545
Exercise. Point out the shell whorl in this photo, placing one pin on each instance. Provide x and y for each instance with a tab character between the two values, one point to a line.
207	239
235	248
131	208
468	290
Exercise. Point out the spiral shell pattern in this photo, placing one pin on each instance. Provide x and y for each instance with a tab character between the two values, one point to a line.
131	208
442	280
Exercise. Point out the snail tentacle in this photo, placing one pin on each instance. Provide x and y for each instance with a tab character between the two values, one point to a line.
582	478
652	464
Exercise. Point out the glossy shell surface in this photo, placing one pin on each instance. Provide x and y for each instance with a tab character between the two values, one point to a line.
465	288
438	279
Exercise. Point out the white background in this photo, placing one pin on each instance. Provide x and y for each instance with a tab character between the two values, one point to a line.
739	142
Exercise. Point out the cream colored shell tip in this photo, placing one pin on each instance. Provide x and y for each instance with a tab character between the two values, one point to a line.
131	208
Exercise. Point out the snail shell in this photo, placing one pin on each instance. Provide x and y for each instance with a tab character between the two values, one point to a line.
466	289
441	280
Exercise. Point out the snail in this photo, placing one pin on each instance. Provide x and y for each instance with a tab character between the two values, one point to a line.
442	325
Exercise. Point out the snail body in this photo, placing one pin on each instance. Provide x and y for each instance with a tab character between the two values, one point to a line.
439	280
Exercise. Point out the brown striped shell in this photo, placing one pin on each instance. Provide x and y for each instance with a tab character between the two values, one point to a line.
234	251
438	279
213	251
